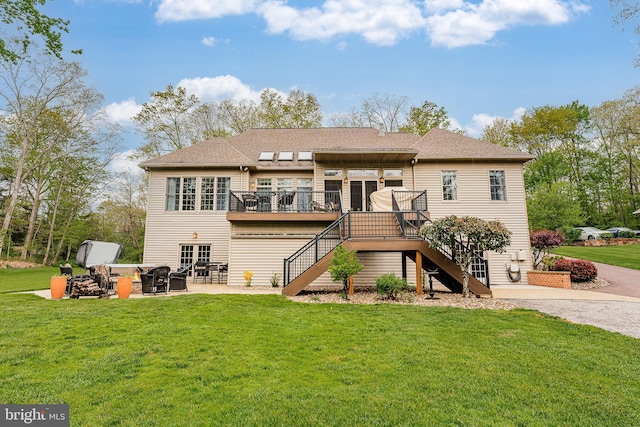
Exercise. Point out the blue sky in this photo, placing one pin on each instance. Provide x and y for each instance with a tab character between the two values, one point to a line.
478	59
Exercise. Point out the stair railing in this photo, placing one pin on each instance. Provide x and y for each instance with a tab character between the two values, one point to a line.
316	249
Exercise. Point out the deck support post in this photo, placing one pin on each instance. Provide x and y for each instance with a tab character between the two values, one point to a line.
404	265
418	272
350	285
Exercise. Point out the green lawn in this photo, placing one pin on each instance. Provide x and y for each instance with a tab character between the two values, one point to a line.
202	360
622	255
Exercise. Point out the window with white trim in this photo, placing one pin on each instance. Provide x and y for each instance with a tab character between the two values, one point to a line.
222	193
207	194
497	185
449	185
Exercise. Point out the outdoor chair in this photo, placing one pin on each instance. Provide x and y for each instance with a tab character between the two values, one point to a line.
264	201
318	207
200	271
178	279
250	202
285	201
155	280
66	270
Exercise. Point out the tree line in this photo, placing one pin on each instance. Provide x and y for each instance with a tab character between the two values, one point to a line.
587	166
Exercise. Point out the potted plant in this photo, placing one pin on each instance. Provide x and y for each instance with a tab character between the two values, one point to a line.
125	283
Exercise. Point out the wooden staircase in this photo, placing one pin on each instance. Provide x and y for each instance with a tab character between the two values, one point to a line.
449	274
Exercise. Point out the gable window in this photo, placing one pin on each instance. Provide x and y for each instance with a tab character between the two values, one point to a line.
497	185
449	185
207	194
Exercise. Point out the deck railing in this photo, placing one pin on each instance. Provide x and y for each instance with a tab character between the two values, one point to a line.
285	201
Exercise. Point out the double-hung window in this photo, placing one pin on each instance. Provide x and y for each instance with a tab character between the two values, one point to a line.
222	201
497	185
207	194
449	185
180	194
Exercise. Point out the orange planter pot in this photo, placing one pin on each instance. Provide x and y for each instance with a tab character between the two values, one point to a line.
124	286
58	285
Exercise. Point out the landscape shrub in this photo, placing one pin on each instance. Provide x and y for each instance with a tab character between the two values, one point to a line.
388	285
626	234
570	235
549	261
607	237
542	242
581	270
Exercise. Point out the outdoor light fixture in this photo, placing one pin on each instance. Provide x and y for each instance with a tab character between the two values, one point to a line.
194	235
346	180
252	185
382	180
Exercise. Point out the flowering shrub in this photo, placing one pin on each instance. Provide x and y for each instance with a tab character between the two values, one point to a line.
581	271
542	242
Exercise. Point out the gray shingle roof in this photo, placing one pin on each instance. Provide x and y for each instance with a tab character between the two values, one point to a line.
244	149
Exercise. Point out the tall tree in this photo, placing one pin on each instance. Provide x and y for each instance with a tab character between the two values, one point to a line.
32	88
499	132
385	112
23	18
166	122
627	11
421	120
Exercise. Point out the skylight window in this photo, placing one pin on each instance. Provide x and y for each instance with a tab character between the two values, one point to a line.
286	155
266	155
305	155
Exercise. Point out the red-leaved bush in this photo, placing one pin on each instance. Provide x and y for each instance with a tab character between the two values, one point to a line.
581	271
542	242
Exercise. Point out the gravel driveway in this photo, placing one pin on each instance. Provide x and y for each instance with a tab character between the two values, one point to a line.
614	316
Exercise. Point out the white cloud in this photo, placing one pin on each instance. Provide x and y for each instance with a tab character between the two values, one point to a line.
185	10
122	163
122	112
380	22
208	41
480	121
219	88
437	6
449	23
478	23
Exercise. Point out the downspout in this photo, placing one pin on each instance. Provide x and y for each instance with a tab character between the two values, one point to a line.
413	173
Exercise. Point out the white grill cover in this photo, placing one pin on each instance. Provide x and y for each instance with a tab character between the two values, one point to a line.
381	199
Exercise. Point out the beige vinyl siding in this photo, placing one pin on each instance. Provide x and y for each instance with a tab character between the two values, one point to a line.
474	199
263	257
167	230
